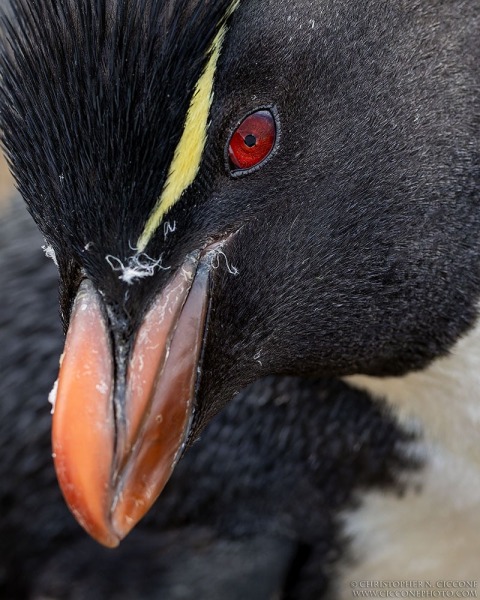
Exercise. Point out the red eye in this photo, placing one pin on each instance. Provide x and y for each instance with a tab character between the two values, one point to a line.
253	141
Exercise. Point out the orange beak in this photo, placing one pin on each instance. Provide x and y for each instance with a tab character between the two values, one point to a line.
115	444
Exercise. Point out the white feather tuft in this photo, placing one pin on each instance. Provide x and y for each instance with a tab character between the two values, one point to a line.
230	268
136	267
50	252
52	396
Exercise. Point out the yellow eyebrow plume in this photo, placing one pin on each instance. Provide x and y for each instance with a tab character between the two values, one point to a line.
188	154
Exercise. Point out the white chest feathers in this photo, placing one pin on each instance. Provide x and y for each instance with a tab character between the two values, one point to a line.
433	532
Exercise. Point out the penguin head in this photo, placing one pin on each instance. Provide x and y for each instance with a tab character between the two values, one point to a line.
233	190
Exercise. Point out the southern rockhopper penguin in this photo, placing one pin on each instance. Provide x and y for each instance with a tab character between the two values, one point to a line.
240	190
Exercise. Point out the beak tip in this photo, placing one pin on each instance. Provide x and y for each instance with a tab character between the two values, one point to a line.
105	533
110	542
101	531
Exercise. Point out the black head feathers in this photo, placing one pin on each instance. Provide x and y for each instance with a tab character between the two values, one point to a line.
78	75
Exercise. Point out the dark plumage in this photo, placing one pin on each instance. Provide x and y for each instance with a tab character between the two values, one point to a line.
355	246
251	508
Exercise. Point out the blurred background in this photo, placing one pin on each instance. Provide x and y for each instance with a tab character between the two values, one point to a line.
6	183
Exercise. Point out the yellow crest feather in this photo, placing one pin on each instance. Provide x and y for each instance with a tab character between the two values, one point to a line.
188	154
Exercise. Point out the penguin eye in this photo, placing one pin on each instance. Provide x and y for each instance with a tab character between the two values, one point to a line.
253	141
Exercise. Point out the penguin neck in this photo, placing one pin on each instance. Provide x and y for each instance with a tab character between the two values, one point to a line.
430	531
443	399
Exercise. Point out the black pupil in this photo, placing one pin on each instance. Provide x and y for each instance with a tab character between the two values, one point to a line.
250	140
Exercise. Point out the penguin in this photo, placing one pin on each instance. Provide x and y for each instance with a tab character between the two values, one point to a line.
241	196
